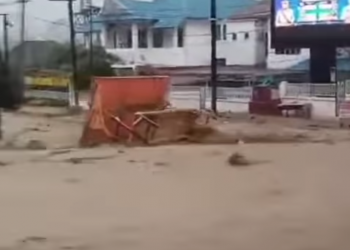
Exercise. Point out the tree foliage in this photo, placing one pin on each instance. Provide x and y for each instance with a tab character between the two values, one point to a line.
11	87
102	61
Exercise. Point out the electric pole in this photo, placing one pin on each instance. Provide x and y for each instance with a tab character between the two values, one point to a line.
73	50
6	63
23	20
213	55
5	25
91	42
22	50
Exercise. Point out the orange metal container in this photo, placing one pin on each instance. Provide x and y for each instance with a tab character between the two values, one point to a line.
122	97
132	91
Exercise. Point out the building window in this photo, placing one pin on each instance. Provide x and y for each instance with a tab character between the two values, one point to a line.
98	40
234	36
129	38
266	44
224	32
142	35
218	32
221	32
289	51
123	38
158	38
115	40
180	37
246	35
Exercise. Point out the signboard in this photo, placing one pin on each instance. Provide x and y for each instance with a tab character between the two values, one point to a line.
305	21
48	87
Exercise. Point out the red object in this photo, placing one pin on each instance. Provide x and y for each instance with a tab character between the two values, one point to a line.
265	101
262	94
115	100
265	108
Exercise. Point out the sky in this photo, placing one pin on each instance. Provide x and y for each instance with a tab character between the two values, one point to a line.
41	17
43	8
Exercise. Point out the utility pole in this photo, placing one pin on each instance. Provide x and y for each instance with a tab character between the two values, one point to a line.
22	47
213	56
73	50
23	20
5	25
91	42
5	64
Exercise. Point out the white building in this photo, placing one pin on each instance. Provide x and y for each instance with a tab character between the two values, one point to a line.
239	43
243	37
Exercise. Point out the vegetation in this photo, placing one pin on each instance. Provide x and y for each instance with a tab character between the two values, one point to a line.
11	87
102	61
48	55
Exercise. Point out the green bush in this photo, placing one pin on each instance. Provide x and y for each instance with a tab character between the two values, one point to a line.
102	62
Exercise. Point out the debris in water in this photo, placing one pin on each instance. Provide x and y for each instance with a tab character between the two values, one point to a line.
79	160
36	145
60	151
238	160
34	239
4	164
161	164
72	180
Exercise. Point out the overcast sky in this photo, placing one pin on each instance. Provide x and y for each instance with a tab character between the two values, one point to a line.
39	15
43	8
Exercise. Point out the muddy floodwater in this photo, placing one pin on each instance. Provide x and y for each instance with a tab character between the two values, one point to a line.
295	196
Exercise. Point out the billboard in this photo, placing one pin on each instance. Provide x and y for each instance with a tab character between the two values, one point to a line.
48	86
305	22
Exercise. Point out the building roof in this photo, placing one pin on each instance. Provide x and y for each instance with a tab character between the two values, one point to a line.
169	13
261	9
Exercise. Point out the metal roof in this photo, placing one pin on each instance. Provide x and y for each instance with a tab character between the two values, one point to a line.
168	13
261	9
171	13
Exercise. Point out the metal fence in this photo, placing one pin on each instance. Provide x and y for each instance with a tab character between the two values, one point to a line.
201	95
314	90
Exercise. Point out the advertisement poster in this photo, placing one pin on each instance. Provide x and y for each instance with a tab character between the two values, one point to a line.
311	12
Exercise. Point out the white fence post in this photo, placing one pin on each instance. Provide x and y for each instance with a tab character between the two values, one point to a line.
283	89
202	98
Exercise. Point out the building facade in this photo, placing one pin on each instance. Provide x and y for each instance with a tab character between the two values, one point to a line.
239	42
177	32
167	33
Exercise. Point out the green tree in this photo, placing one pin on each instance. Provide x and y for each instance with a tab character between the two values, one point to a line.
102	61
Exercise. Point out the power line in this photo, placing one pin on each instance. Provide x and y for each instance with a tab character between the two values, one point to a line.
9	3
49	21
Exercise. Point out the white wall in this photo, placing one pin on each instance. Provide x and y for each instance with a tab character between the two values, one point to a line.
236	52
154	56
250	51
197	46
285	61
